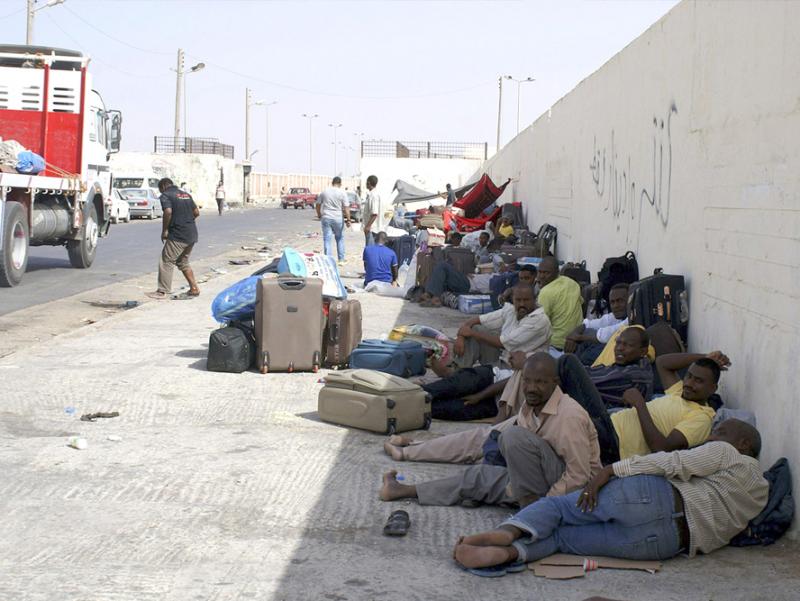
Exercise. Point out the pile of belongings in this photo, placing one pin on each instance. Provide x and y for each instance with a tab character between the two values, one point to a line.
13	155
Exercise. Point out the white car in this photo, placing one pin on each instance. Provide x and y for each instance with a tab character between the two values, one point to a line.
120	211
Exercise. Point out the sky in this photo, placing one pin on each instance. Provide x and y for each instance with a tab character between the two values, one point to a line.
420	71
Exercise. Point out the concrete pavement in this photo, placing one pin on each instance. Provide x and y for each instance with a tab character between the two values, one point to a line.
227	486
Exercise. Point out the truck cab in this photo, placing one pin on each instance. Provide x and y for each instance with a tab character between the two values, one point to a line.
48	106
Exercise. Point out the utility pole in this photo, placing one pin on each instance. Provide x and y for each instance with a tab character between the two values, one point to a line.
499	111
247	124
335	127
310	118
32	8
519	85
266	106
178	90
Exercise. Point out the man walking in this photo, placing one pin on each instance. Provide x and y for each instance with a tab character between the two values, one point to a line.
373	212
179	234
220	196
334	212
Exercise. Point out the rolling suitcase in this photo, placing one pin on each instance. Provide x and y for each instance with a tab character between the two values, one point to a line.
403	358
403	247
426	261
342	332
288	324
231	349
373	401
660	297
463	259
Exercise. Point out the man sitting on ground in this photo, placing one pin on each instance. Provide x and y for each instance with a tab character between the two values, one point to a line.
549	449
482	252
380	262
678	420
588	339
689	501
561	299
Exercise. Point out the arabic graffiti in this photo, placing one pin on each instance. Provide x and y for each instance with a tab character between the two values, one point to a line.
624	194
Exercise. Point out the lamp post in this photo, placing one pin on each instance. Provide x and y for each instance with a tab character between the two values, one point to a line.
335	127
194	69
310	118
360	149
519	85
266	106
32	8
180	87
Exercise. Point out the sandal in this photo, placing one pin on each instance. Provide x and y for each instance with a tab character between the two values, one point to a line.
397	524
157	295
497	571
185	296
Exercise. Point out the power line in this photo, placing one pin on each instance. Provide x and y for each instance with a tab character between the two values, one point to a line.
111	37
16	12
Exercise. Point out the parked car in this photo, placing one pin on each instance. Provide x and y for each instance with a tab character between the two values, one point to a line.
355	206
299	198
120	211
143	202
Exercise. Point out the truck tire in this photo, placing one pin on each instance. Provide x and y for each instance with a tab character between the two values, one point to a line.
14	249
82	252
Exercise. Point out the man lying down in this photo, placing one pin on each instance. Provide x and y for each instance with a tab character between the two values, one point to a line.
644	507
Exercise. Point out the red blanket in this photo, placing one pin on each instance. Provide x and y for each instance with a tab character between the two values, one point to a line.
483	193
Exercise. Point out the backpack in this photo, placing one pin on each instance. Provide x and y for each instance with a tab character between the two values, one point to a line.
775	519
616	270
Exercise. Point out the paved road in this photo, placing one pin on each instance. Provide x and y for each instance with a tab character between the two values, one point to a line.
132	249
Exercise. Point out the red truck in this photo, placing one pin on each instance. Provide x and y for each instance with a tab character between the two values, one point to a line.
299	198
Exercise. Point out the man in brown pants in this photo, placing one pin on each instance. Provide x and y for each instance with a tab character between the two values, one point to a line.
179	234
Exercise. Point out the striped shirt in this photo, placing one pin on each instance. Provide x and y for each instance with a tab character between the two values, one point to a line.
722	489
612	381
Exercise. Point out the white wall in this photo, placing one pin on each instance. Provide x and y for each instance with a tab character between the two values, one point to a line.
199	171
429	174
685	148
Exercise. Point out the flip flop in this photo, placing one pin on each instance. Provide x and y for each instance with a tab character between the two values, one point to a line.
185	296
430	305
397	524
497	571
157	295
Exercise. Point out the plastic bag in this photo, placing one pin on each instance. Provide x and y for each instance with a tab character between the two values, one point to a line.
314	265
237	302
29	163
406	277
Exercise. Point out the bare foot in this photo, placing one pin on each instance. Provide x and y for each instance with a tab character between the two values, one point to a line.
399	440
471	556
393	490
501	537
393	451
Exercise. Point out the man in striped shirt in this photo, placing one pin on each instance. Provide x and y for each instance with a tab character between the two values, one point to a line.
650	507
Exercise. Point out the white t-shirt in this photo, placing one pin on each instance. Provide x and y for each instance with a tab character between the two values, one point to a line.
605	326
374	206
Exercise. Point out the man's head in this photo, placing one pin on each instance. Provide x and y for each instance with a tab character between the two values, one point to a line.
165	183
455	239
739	434
631	346
449	187
381	238
527	275
548	271
618	300
701	380
483	239
539	379
336	182
524	299
372	181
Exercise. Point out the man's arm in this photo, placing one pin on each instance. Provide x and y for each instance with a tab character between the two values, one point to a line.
700	461
165	221
574	446
654	438
669	365
318	209
394	273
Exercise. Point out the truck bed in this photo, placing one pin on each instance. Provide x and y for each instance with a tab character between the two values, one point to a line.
39	182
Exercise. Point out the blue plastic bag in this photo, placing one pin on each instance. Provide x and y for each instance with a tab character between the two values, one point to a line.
237	302
29	163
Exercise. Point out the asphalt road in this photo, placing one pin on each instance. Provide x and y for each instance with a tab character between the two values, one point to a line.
132	249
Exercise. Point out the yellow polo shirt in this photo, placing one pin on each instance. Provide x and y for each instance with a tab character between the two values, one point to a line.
670	412
562	302
607	356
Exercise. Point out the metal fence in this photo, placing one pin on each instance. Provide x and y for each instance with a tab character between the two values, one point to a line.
165	144
424	150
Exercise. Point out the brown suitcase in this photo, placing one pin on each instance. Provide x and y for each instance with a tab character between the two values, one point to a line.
342	332
463	259
288	324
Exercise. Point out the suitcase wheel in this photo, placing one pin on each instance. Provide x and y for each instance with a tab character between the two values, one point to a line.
391	429
264	369
315	368
427	424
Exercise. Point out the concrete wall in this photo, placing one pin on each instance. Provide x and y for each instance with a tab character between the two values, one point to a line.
429	174
268	185
685	148
199	171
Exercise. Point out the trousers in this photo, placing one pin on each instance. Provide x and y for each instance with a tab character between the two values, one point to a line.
446	277
478	352
447	394
174	254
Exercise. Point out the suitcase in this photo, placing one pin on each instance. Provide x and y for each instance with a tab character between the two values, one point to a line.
615	270
664	339
513	211
231	349
373	401
403	247
577	272
342	332
517	252
404	358
289	324
426	261
660	297
463	259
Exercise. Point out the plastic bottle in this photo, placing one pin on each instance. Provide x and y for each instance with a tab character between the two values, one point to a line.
76	442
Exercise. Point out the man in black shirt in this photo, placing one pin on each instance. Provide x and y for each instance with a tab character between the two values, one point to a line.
179	234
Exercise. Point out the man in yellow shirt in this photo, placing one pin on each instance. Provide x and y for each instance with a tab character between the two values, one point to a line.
679	420
560	297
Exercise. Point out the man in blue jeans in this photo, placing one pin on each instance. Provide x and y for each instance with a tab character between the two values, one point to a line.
333	209
380	262
650	507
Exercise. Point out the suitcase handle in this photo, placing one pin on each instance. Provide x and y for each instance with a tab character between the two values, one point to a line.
291	284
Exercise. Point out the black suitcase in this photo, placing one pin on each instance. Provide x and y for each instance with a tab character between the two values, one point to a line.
616	270
403	247
463	259
660	297
577	272
231	349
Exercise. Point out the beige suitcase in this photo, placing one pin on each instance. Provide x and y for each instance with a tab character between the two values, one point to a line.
373	400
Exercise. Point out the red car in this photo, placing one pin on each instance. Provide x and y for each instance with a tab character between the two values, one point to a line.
299	198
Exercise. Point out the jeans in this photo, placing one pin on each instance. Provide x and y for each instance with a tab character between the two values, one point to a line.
634	519
332	228
576	383
446	277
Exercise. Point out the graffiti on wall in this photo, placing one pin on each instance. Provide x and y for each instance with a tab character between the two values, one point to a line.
627	194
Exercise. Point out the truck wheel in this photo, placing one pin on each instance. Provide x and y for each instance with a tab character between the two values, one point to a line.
14	250
81	252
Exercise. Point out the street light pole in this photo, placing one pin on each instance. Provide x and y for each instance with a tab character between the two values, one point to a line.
194	69
499	109
247	124
310	146
32	8
335	127
519	85
266	106
178	89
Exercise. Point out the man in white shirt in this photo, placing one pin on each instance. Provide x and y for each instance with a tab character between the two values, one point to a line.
588	339
374	215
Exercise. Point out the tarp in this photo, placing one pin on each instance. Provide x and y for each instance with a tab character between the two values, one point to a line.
410	193
465	224
481	196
